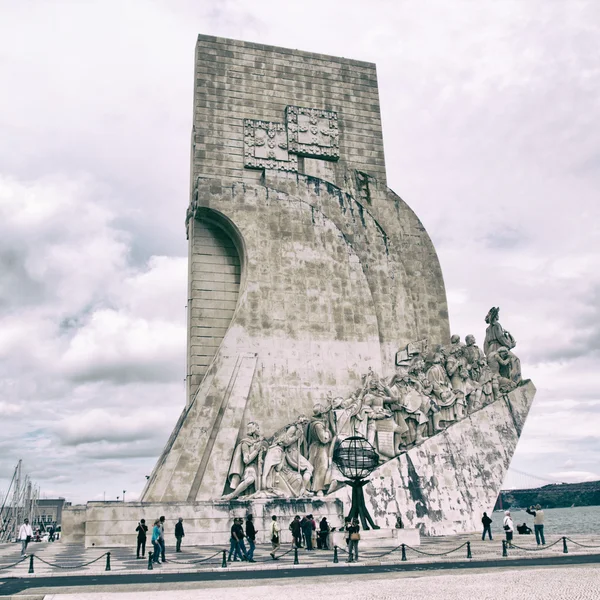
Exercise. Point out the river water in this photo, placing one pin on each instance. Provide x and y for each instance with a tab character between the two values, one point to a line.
576	520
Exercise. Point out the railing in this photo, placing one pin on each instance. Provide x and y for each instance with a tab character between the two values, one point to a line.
220	556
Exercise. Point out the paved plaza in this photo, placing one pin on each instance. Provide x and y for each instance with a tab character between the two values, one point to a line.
439	568
59	559
557	583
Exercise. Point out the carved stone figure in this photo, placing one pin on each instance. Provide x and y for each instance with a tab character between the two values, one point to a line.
458	370
319	438
245	469
499	364
455	343
286	472
419	401
510	366
495	335
480	370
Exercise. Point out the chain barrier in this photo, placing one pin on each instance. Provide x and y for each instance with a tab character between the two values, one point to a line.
436	553
536	549
293	549
582	545
271	559
91	562
14	564
194	562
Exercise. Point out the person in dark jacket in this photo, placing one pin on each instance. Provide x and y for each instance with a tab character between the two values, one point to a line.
307	530
251	535
142	530
323	534
487	526
179	534
296	531
523	529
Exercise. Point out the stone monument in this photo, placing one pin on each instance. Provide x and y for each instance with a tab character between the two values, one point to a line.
317	312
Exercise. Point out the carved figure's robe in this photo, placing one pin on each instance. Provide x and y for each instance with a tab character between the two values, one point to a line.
238	470
319	440
495	337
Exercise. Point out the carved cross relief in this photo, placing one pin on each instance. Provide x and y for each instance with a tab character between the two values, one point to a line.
306	132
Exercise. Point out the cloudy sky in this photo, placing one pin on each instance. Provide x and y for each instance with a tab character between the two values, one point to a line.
490	112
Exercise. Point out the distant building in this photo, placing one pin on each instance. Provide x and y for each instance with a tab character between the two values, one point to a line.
49	512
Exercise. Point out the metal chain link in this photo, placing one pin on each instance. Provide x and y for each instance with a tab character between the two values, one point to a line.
14	564
194	562
582	545
536	549
70	567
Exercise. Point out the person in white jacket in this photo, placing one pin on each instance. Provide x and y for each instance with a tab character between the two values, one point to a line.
25	535
508	528
275	539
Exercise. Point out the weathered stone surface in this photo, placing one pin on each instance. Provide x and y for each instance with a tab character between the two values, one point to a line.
314	288
205	523
444	485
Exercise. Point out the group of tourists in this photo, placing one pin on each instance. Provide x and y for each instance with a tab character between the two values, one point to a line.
305	534
157	539
509	528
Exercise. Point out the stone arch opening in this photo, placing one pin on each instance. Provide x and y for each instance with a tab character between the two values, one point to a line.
216	271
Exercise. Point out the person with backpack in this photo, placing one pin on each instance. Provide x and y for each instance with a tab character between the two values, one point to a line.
296	530
142	532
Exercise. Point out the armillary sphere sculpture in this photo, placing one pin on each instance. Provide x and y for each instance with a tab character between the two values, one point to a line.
356	459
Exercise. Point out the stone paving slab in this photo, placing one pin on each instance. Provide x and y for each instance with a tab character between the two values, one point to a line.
558	583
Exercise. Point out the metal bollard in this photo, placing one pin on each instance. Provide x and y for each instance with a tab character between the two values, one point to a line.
31	563
296	561
107	561
565	549
224	563
335	555
469	555
504	553
403	552
150	558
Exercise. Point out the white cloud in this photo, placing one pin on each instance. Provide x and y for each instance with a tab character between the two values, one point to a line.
489	114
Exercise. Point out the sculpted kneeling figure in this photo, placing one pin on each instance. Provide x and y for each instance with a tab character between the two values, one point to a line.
247	462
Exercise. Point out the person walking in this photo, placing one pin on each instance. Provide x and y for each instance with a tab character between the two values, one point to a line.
538	523
307	530
156	542
354	534
508	528
25	535
251	536
275	540
237	547
161	540
179	534
142	532
296	530
487	526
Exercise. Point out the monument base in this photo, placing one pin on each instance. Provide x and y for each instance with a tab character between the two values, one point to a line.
381	538
113	524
